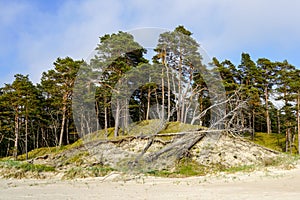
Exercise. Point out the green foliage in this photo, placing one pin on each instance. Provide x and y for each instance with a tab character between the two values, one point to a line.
39	152
80	172
175	127
19	102
145	127
25	166
49	150
187	167
57	84
33	116
190	168
242	168
77	159
272	141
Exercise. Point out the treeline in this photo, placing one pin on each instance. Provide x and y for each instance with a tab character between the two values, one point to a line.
272	91
126	87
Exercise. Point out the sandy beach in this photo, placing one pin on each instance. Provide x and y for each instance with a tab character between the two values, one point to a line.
269	184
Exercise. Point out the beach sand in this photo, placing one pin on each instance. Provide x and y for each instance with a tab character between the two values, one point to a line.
270	184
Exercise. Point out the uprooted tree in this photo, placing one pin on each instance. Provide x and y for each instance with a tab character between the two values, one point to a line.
178	86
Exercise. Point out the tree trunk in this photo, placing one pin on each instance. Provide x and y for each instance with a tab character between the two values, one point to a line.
97	114
125	119
117	119
157	104
163	95
64	110
168	83
201	108
290	141
67	130
62	127
182	109
287	140
253	125
179	90
37	138
169	94
15	152
105	117
298	120
242	119
141	116
278	122
267	111
26	133
178	106
148	104
8	149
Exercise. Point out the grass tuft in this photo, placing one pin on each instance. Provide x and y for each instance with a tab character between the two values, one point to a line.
25	166
80	172
273	141
19	169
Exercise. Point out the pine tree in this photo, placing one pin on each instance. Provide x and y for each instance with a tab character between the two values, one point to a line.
284	80
178	53
248	79
295	90
116	54
58	87
20	98
268	71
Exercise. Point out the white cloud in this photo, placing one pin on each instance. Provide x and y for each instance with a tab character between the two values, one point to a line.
224	27
257	26
73	32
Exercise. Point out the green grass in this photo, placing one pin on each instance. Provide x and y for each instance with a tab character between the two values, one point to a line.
80	172
193	169
241	168
20	169
26	166
273	141
77	159
174	127
184	168
48	150
188	167
39	152
146	127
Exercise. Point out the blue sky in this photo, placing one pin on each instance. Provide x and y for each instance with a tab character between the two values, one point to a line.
33	33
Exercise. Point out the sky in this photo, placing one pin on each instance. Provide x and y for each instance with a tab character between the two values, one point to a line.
34	33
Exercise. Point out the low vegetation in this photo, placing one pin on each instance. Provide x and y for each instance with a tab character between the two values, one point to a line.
20	169
187	168
275	141
75	161
93	171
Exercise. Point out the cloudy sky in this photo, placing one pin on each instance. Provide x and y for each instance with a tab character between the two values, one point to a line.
33	33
